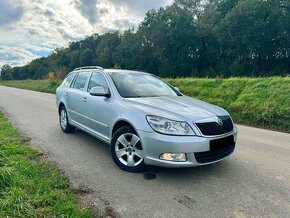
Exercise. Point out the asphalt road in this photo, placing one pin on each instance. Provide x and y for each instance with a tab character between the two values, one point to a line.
254	182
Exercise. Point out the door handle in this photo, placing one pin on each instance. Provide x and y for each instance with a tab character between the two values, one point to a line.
84	99
66	94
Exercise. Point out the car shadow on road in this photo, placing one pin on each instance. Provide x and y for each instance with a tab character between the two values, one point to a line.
212	169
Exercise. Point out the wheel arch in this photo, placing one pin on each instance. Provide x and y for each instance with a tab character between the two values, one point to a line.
120	123
61	104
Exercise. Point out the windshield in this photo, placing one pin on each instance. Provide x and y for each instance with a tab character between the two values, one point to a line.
136	85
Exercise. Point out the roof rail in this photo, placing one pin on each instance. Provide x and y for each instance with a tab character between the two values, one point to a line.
88	67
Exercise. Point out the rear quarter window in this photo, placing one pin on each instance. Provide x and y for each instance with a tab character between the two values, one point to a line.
67	81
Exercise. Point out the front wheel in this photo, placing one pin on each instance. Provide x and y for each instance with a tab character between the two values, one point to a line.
127	151
63	121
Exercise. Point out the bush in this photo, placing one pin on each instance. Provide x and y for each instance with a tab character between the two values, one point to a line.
51	76
61	73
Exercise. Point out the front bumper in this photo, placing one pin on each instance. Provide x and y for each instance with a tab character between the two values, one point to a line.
154	144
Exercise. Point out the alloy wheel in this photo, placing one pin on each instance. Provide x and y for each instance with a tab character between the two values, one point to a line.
129	150
63	119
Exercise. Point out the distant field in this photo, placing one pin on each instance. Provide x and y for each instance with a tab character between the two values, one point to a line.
260	102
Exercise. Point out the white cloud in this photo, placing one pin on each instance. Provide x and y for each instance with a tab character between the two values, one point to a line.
139	7
34	28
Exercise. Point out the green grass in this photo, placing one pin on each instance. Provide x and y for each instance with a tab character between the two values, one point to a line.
48	86
30	186
260	102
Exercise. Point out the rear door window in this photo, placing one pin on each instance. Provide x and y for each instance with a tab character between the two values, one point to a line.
81	80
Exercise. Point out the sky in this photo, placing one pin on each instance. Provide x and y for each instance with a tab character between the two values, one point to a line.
34	28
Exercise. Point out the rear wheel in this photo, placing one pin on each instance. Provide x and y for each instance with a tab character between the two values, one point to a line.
63	121
127	151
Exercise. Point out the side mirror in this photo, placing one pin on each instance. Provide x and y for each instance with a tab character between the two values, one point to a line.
177	89
99	91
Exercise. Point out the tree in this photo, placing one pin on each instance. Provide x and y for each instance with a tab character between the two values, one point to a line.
125	55
169	37
74	59
252	33
6	72
86	57
105	49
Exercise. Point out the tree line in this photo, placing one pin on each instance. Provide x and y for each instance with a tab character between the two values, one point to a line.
188	38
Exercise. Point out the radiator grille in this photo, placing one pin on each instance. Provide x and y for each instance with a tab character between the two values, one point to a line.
214	128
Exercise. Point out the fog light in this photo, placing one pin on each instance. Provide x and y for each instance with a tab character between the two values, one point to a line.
178	157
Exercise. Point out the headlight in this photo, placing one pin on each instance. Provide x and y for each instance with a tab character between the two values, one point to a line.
169	127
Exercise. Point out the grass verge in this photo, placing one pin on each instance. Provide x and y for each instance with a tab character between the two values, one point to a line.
259	102
48	86
30	186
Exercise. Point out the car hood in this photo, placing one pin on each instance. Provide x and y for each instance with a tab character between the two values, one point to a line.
176	108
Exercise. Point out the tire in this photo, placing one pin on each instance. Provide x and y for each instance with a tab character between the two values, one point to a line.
127	151
63	121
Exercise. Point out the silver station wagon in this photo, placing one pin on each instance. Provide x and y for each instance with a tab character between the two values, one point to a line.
145	120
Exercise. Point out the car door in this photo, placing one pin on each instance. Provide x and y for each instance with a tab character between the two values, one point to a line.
76	97
99	110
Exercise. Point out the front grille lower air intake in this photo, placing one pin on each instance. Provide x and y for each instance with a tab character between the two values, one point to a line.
215	128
